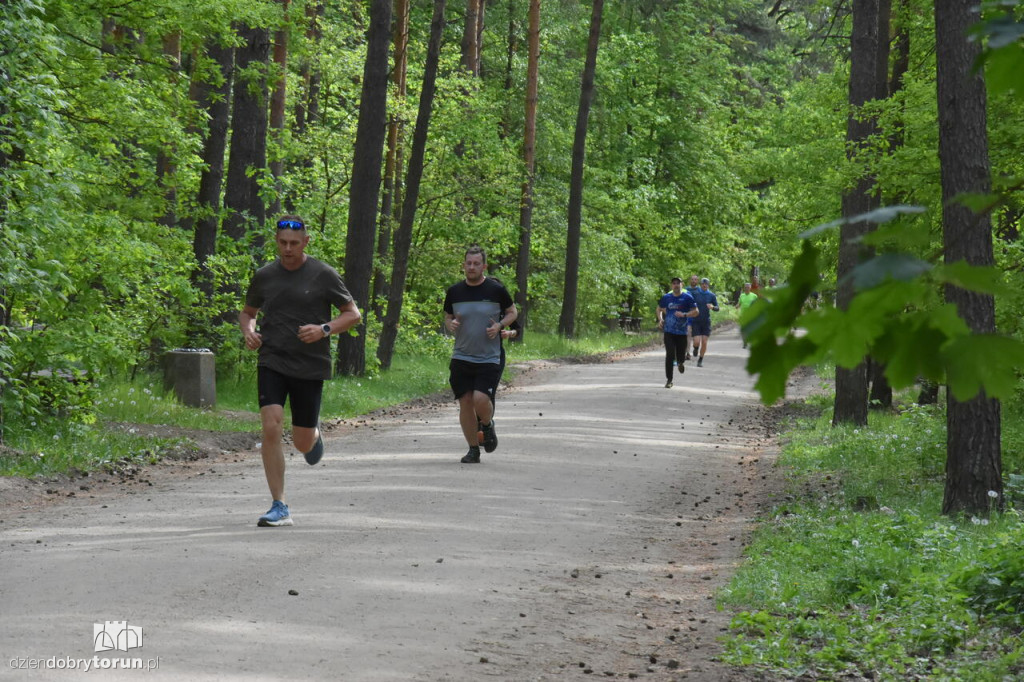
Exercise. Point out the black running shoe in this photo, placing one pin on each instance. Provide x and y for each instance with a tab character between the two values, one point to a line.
472	457
490	441
314	455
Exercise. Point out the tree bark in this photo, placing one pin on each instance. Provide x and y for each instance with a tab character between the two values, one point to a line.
973	454
213	99
277	105
529	161
165	167
470	38
403	235
247	158
868	71
567	319
365	186
392	197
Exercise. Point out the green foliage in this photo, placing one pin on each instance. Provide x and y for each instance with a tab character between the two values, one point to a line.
994	579
896	317
850	575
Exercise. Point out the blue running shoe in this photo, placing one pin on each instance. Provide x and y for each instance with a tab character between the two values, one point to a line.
314	455
277	516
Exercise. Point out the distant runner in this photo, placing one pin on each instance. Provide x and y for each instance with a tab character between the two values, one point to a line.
674	311
706	303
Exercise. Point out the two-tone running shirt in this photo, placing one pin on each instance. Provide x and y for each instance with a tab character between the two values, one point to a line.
477	308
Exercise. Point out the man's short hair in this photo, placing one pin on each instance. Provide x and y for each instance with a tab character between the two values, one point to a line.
476	249
288	221
676	279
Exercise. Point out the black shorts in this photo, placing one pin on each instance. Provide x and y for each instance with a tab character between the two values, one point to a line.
700	327
465	376
275	388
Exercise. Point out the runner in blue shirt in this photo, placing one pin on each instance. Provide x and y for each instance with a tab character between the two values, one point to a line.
692	290
674	309
706	302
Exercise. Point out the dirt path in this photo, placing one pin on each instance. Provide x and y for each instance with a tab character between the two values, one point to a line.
591	541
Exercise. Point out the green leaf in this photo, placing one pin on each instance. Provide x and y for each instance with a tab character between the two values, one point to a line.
879	215
898	266
983	279
911	348
774	363
983	362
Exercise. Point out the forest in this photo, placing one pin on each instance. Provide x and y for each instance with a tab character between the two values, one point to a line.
594	149
866	154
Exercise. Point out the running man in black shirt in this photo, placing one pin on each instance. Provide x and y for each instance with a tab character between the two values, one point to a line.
296	295
475	311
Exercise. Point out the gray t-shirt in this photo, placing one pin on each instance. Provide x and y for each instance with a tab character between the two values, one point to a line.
288	299
477	308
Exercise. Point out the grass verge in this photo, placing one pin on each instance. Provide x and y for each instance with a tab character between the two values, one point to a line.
80	438
857	574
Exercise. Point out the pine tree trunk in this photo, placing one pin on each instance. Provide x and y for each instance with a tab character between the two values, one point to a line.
973	454
567	319
212	98
403	235
277	105
365	186
247	157
470	38
529	160
165	169
392	197
867	82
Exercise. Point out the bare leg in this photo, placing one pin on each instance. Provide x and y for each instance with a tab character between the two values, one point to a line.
483	406
304	437
467	417
271	449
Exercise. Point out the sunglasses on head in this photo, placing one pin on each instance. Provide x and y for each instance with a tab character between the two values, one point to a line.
290	225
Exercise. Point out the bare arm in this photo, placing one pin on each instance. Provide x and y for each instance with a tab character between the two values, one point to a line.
247	323
348	317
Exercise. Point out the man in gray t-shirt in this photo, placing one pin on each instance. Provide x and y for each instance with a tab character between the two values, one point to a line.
475	311
294	298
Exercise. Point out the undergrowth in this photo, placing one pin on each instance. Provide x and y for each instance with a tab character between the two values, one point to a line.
857	573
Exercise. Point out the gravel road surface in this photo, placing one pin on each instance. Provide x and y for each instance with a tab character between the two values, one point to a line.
590	543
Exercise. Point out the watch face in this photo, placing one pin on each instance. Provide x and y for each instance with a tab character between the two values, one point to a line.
326	328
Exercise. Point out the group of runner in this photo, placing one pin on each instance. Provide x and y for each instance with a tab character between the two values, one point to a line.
684	316
685	319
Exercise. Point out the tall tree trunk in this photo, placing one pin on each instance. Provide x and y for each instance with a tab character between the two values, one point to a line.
307	105
403	235
530	162
392	197
277	105
567	319
164	161
973	455
213	99
247	157
365	187
851	401
470	38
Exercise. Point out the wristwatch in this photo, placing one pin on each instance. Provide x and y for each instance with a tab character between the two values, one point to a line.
326	328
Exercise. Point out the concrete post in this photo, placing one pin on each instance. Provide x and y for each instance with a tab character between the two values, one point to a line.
192	373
